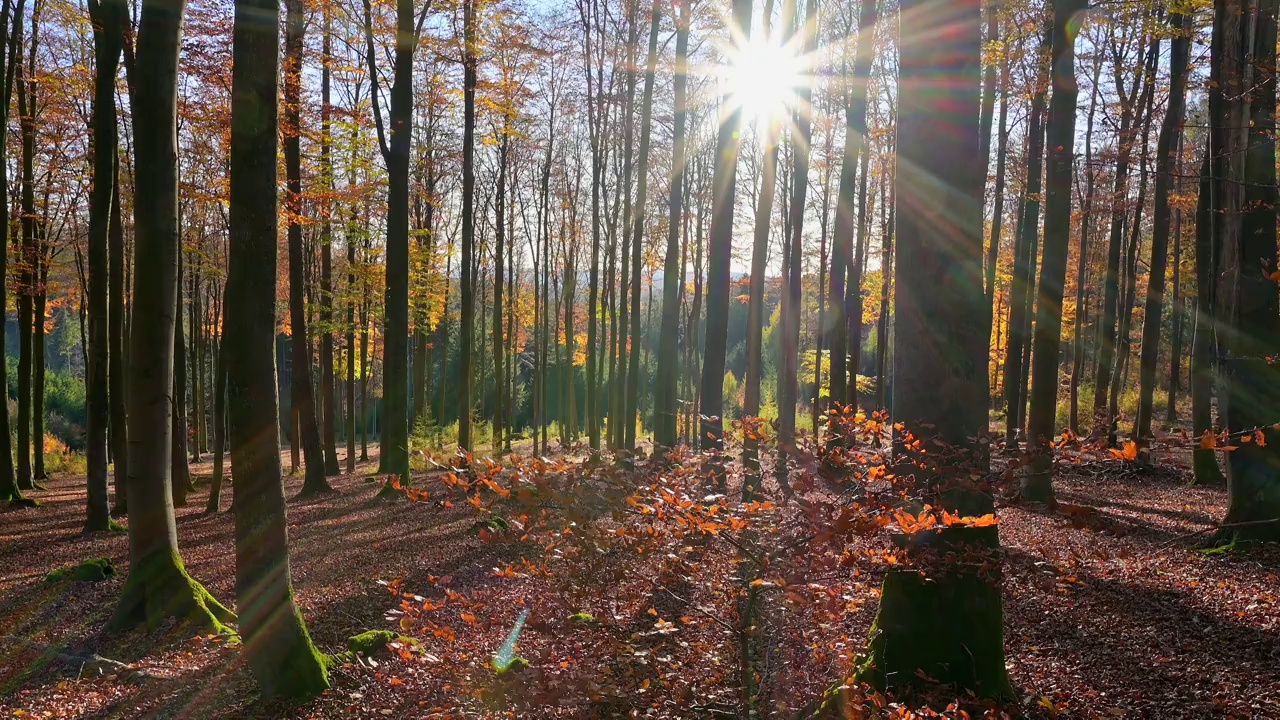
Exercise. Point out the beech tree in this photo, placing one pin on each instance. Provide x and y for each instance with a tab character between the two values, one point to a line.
1047	341
10	13
939	344
108	35
158	586
301	391
280	652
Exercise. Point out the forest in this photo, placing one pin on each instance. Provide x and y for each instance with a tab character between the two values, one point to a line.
615	359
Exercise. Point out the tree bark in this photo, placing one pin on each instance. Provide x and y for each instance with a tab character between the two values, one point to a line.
158	586
1166	163
1047	341
637	229
1252	380
1102	420
1082	267
27	249
300	388
468	222
1025	256
719	255
939	317
181	473
279	651
10	17
328	425
802	137
665	407
108	36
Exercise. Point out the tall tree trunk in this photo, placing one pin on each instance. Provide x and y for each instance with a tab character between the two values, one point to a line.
1166	163
108	35
158	586
301	391
1124	345
499	250
1082	266
365	369
1024	271
719	256
1002	155
27	248
10	16
193	346
665	406
637	229
1060	136
38	310
755	298
394	440
1252	381
801	138
279	651
118	364
181	472
940	317
1179	313
220	427
843	377
1102	421
886	286
468	222
328	425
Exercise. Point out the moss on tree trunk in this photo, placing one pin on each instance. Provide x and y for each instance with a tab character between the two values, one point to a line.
159	588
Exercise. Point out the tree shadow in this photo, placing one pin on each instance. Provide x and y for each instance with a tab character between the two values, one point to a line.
1149	648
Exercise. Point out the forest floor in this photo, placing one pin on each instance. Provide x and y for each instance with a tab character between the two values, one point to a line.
1108	614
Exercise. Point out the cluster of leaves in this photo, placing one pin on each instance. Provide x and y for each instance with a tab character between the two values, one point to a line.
660	527
867	499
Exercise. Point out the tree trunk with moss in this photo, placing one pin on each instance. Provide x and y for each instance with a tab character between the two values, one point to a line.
284	660
946	629
158	586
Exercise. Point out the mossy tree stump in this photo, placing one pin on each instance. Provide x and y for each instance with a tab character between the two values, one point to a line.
942	623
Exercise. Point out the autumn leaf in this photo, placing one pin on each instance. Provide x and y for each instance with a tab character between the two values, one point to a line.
1129	452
